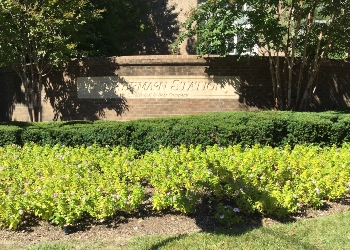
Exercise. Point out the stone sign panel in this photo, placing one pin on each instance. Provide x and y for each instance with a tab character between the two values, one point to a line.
197	87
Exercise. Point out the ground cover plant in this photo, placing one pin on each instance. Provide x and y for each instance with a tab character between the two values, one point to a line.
62	184
329	230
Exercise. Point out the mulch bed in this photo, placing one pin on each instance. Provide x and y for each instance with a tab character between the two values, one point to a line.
118	230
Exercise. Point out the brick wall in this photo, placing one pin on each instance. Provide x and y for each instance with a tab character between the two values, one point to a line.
60	101
70	107
10	95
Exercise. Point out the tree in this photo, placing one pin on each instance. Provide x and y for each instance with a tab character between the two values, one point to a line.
296	35
118	30
36	35
129	28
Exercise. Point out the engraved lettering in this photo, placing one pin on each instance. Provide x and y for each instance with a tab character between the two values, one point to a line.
178	95
158	87
198	84
124	86
210	86
183	85
175	85
163	85
135	85
145	85
204	84
190	87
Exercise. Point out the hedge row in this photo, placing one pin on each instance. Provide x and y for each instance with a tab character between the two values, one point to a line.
247	128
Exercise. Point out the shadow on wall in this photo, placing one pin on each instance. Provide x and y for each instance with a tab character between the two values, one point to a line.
62	94
254	88
332	90
10	93
333	87
191	46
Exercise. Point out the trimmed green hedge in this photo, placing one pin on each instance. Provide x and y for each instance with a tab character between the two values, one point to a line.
272	128
10	135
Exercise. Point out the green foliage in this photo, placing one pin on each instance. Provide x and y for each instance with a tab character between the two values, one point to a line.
245	128
116	32
62	184
274	181
38	35
9	135
179	177
40	31
297	36
272	24
325	232
227	215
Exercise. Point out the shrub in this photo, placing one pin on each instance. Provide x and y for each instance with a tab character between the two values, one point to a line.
9	135
274	128
63	184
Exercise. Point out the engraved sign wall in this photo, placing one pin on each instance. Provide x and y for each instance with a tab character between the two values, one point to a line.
198	87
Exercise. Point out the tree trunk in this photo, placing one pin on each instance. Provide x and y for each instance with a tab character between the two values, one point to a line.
305	101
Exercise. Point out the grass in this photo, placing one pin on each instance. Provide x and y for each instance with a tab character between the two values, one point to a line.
329	232
69	245
332	232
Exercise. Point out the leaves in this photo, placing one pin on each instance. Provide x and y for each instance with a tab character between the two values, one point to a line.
36	36
63	184
308	30
40	29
